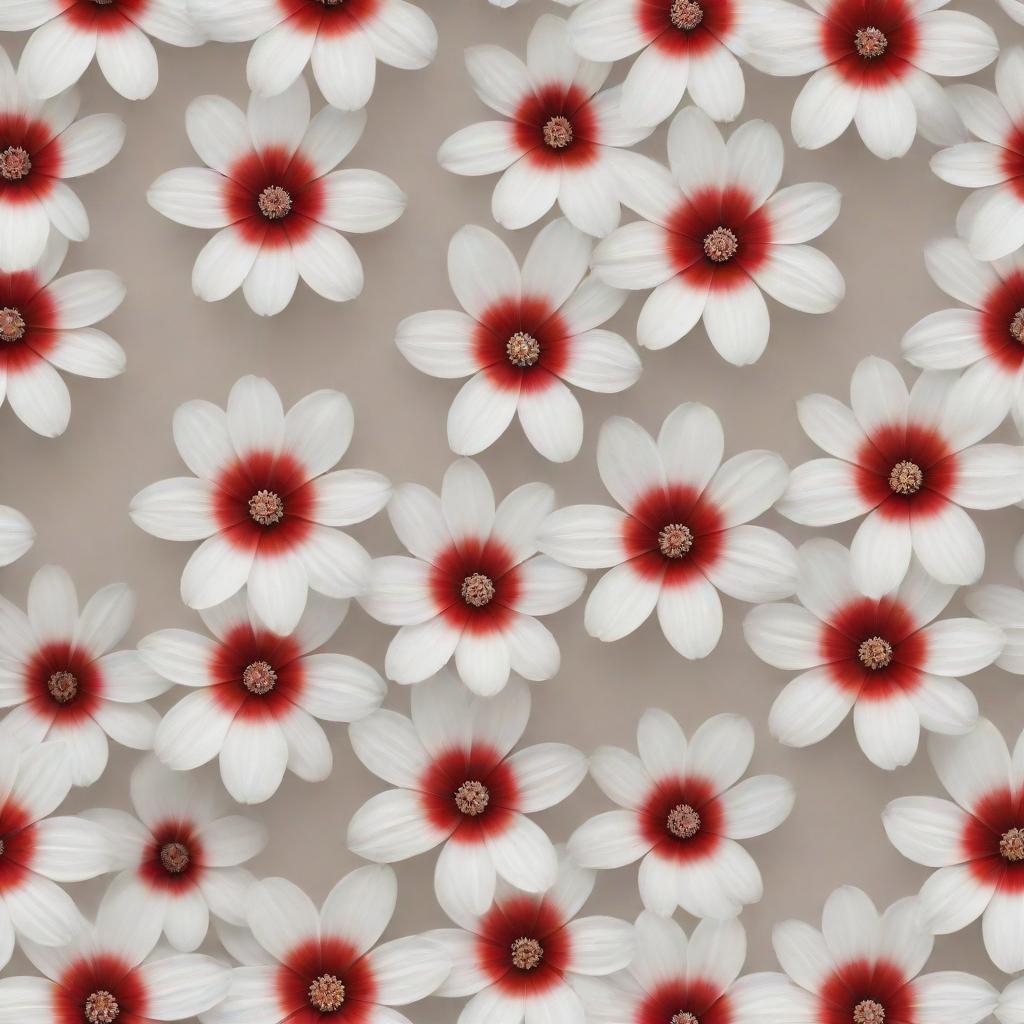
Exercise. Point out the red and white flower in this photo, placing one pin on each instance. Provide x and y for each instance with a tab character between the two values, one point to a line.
342	41
715	234
308	966
263	502
991	220
523	336
69	34
45	326
107	973
16	534
459	784
41	144
683	809
987	340
178	857
865	967
271	191
61	679
523	958
257	695
912	463
561	138
872	64
883	657
474	584
683	45
976	843
683	534
38	851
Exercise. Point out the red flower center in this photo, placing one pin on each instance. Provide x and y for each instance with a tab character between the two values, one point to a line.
875	653
867	1011
683	822
274	202
906	477
870	42
174	857
63	687
523	349
326	992
15	163
1011	845
686	14
12	324
477	590
101	1008
527	954
721	244
472	798
259	678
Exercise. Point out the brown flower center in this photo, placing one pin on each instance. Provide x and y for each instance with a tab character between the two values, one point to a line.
174	857
1017	326
867	1011
15	163
875	653
101	1008
12	324
274	202
557	132
870	42
477	590
526	954
686	14
472	798
259	678
266	508
523	349
1	847
1011	845
683	821
63	687
326	993
905	477
721	245
675	540
684	1017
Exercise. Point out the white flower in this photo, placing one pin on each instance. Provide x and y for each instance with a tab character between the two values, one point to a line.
683	810
474	584
560	139
61	679
309	965
263	502
872	64
41	144
70	33
16	534
912	463
257	695
683	533
178	857
715	234
976	843
343	42
271	191
883	657
459	784
523	336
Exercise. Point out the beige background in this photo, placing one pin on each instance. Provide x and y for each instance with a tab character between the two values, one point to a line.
76	489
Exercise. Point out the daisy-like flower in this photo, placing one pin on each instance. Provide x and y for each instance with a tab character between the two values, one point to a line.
343	39
683	45
523	336
714	236
41	144
38	851
683	533
883	657
61	679
988	338
682	812
308	966
271	191
864	967
560	139
107	974
460	784
16	534
263	502
976	843
991	220
178	857
523	957
45	326
70	33
912	463
474	584
258	695
873	62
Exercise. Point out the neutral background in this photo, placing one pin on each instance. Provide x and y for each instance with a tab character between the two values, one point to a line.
76	489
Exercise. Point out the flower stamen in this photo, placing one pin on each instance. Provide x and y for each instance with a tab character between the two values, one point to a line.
12	324
1011	845
1017	326
686	14
266	508
906	477
523	349
683	821
259	678
675	540
274	202
326	993
477	590
867	1011
472	798
526	954
875	653
684	1017
63	687
174	857
15	163
557	132
721	245
101	1008
870	42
